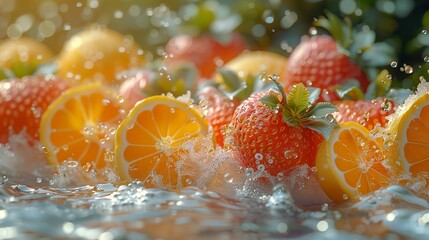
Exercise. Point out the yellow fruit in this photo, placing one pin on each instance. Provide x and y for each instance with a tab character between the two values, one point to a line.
98	54
351	163
149	142
408	135
23	55
79	126
257	63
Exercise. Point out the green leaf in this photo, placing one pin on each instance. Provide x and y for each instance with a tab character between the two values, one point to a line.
46	69
270	101
289	117
399	95
354	93
321	110
323	126
379	54
230	78
314	94
6	74
297	100
339	29
350	89
21	69
363	40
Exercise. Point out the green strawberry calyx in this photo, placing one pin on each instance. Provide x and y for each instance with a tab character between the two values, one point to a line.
299	108
234	88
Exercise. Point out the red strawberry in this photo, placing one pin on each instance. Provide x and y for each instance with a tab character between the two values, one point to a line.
368	113
223	99
205	51
219	111
317	62
23	101
276	133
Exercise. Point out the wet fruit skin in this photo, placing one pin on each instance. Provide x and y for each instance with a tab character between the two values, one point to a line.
98	54
219	112
368	113
206	52
23	101
261	139
317	62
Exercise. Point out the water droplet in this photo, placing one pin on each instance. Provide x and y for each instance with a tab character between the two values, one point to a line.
228	177
386	105
120	99
106	101
408	69
72	163
312	31
290	154
259	156
249	172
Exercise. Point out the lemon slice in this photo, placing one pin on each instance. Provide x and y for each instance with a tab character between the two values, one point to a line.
407	135
149	142
351	163
79	125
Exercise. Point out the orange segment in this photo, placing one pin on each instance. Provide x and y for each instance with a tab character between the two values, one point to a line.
149	142
79	125
351	163
408	131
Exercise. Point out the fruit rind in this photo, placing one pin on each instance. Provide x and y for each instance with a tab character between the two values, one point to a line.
143	105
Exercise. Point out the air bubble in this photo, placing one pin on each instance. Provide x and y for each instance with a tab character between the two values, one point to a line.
386	105
394	64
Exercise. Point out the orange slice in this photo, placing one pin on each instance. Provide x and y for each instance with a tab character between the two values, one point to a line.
351	163
149	142
408	135
79	126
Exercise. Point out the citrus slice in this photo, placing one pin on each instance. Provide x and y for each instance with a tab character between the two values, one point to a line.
149	142
351	163
408	131
79	126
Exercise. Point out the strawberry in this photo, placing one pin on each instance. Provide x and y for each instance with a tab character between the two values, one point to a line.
221	100
23	101
219	111
317	62
325	62
275	133
205	51
368	113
